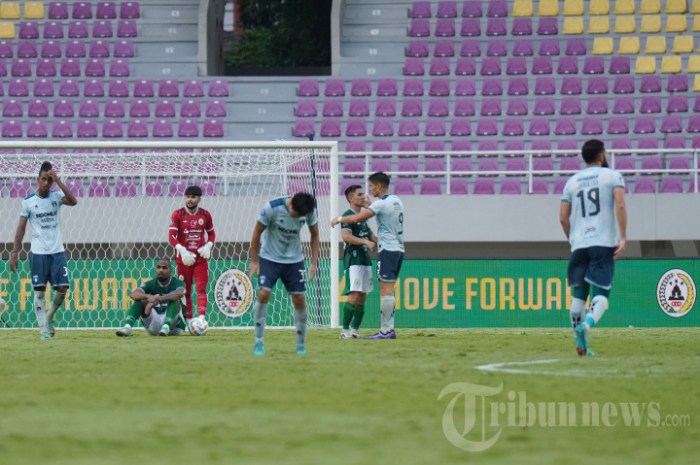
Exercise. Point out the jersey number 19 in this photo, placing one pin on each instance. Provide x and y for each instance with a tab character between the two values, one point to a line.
593	195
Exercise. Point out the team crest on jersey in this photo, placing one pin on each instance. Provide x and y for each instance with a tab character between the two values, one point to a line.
676	293
193	223
201	221
233	293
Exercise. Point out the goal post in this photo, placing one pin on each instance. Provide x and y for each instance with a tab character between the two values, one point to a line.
127	191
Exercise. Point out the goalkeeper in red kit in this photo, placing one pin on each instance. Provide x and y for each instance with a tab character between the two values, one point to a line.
192	234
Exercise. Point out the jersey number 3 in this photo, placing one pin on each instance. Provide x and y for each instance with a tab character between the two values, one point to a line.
593	196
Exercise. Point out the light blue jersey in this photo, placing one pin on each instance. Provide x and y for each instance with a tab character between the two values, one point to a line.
590	193
389	213
281	241
44	215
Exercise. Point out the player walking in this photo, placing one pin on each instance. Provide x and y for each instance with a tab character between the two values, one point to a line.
187	234
389	212
592	199
47	258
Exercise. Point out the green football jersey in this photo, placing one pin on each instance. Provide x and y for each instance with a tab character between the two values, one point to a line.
153	287
357	254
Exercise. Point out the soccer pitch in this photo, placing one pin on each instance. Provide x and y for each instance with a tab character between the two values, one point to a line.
88	397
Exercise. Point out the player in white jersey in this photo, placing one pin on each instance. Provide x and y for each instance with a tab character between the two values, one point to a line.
275	253
388	209
594	218
47	258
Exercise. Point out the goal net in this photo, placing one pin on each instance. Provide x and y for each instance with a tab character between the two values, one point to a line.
126	194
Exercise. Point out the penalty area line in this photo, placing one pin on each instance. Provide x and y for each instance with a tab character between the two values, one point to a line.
521	368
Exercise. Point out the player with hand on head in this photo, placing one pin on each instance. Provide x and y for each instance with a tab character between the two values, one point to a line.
592	202
359	241
159	304
192	234
388	209
275	253
47	258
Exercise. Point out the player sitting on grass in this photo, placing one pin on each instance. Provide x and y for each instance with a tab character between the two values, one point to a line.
159	303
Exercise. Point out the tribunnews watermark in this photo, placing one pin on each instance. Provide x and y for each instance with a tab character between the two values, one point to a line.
474	419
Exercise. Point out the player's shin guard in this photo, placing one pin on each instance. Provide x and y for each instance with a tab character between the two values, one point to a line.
133	314
300	317
171	313
598	306
576	311
259	316
39	309
56	302
359	314
387	306
348	313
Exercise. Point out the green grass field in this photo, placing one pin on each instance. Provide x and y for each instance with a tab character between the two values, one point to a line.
88	397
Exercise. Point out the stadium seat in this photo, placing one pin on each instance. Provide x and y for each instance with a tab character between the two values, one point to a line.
360	87
18	88
464	88
30	30
671	124
571	85
541	65
123	49
547	26
523	48
676	23
7	30
650	7
102	29
575	46
602	46
671	64
492	86
695	7
516	107
677	83
620	65
465	67
655	44
645	65
87	128
9	10
443	48
625	24
629	45
334	108
548	8
650	84
490	67
141	109
497	9
496	48
464	107
567	65
98	49
496	27
187	128
644	185
573	25
510	187
63	109
671	185
599	7
484	187
544	86
623	106
676	7
114	109
78	30
358	108
81	10
696	83
598	25
693	64
650	24
650	104
50	49
490	107
19	188
61	129
129	10
34	10
573	7
439	88
683	44
213	128
645	125
597	85
126	28
420	10
439	67
522	8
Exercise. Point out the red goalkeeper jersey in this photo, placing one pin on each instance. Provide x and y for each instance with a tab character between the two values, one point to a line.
189	229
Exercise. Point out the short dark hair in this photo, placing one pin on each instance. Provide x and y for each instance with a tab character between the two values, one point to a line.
591	150
193	190
45	167
303	203
351	190
380	177
166	259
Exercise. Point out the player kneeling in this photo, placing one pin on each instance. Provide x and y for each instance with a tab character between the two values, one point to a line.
159	303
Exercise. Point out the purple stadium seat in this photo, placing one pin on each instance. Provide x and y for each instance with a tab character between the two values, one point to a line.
693	124
618	125
333	108
464	107
569	164
387	88
50	49
6	49
623	105
544	106
565	127
592	126
408	146
215	109
407	163
154	187
308	88
417	49
29	30
624	163
382	146
405	186
81	10
141	109
460	163
570	106
459	186
594	65
544	86
330	128
168	88
12	108
645	186
547	26
516	66
439	67
513	127
679	163
88	109
129	10
486	127
542	148
38	108
24	50
58	10
445	28
164	128
434	146
430	186
672	124
496	48
471	9
517	107
412	107
549	47
439	88
187	128
674	142
575	46
139	128
77	30
568	144
651	83
87	128
102	29
696	104
540	187
521	27
126	28
619	65
20	188
334	88
124	49
490	107
447	9
444	48
95	67
471	27
125	188
497	9
53	30
193	88
93	88
490	66
571	85
465	67
671	185
523	48
61	129
75	49
106	10
11	129
645	125
18	88
190	109
70	67
648	143
460	127
63	109
492	86
510	187
518	86
68	88
677	104
99	188
677	83
465	88
380	164
597	85
114	109
385	107
118	88
543	164
357	107
470	48
541	65
408	128
166	109
598	106
435	127
621	144
412	87
496	27
119	68
419	28
420	10
484	187
37	129
356	127
515	145
20	68
144	88
623	85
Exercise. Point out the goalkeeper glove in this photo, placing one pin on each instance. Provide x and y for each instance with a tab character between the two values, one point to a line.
188	257
205	250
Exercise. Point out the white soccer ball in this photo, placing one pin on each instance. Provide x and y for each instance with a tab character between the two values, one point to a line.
198	327
3	305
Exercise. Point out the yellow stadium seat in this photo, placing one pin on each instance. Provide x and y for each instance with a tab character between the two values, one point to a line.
696	23
696	84
629	46
602	46
34	10
599	25
645	65
656	44
671	64
650	7
624	7
676	23
548	8
650	23
522	8
694	64
7	30
573	25
624	24
676	6
695	8
683	44
573	7
599	7
9	10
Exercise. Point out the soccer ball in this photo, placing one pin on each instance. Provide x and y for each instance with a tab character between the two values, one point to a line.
3	305
198	327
